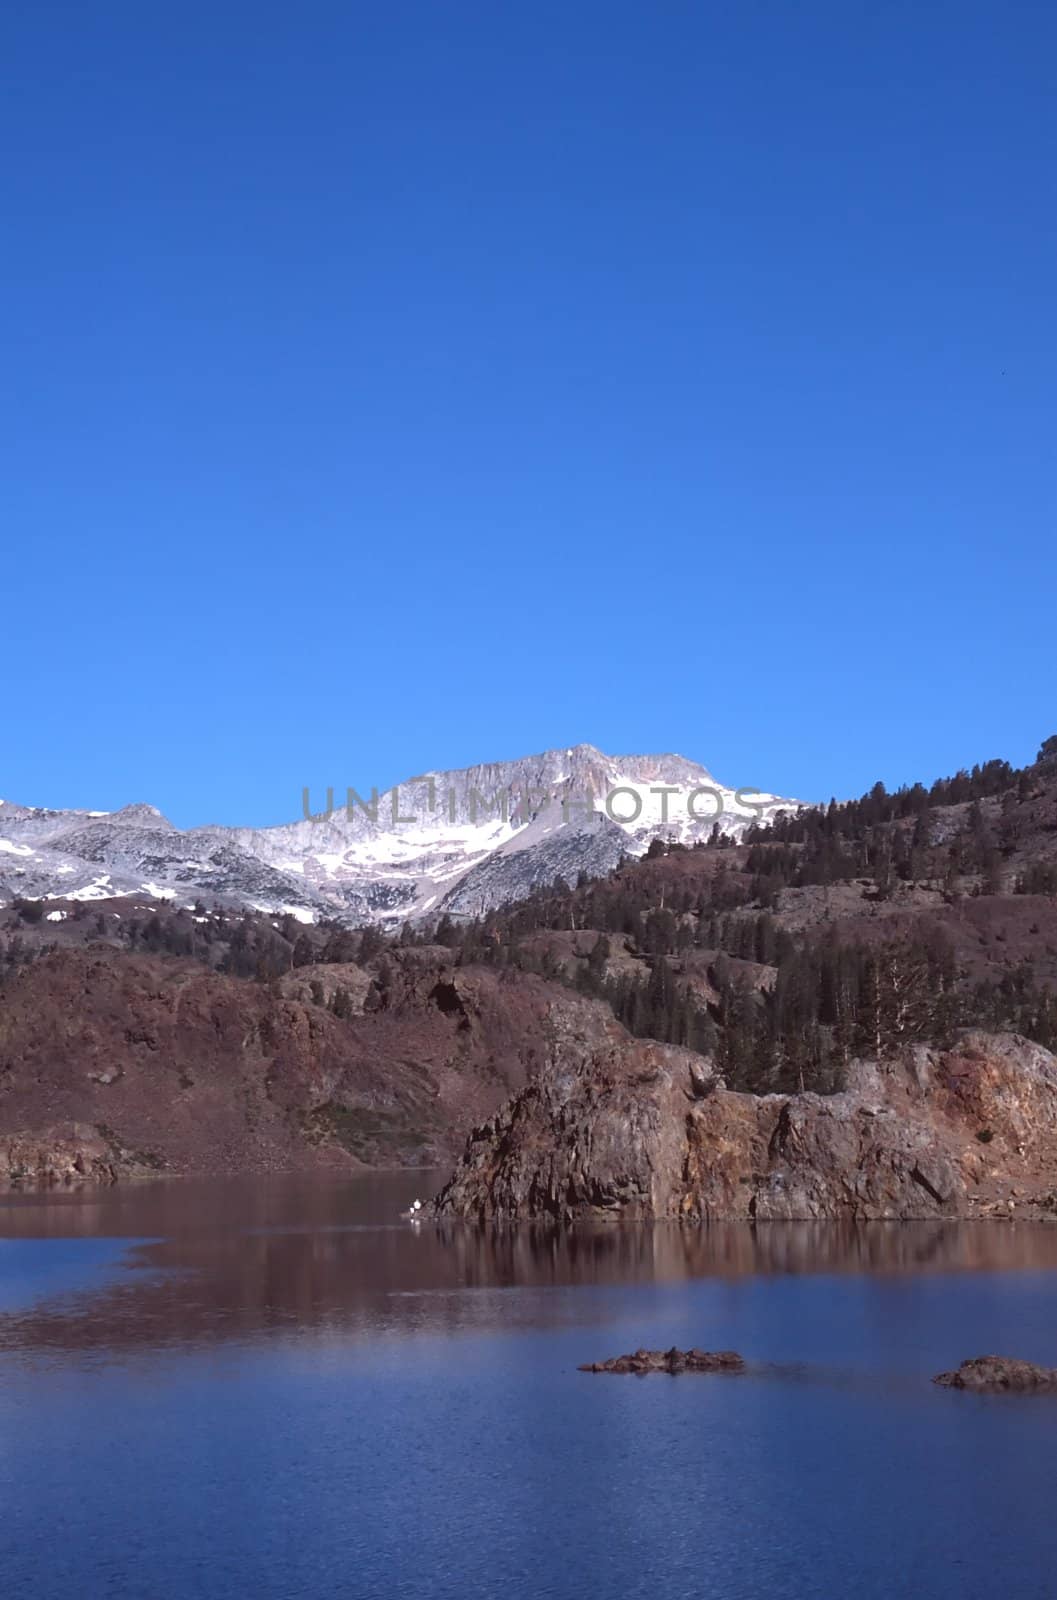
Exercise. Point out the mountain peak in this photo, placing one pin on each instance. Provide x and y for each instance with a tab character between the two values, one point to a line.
137	812
464	840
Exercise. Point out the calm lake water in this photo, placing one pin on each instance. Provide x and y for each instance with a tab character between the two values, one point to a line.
278	1389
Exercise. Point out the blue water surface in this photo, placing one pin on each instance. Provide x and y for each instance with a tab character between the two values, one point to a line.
185	1427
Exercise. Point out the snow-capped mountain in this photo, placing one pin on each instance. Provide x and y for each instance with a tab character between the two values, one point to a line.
461	842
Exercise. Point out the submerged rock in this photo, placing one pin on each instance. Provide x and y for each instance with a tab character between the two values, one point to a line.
672	1360
999	1375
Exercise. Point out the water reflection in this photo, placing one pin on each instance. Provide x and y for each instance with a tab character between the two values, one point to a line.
242	1260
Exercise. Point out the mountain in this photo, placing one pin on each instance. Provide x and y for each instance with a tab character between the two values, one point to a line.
460	842
852	1012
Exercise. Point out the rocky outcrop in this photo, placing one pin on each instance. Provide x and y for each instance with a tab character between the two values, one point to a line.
67	1155
613	1127
672	1361
200	1072
1000	1375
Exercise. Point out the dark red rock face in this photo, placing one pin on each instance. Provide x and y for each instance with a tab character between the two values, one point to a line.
164	1065
618	1128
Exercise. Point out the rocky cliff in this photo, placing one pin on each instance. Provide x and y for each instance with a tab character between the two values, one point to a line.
629	1129
72	1153
114	1064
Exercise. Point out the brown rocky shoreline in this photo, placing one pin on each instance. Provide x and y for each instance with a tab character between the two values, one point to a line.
626	1129
65	1156
595	1125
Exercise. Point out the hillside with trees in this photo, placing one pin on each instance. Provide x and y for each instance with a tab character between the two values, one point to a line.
851	930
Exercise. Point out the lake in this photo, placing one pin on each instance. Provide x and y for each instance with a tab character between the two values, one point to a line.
276	1388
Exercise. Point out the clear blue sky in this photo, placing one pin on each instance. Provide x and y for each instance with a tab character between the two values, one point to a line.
399	386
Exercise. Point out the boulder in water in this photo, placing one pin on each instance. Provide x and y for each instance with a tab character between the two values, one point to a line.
1000	1375
673	1361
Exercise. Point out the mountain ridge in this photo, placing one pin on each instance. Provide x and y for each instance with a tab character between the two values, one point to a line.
879	977
461	841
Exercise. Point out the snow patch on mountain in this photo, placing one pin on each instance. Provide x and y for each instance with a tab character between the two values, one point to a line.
461	841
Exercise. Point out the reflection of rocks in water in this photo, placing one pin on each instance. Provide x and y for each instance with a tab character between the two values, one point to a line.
248	1259
536	1254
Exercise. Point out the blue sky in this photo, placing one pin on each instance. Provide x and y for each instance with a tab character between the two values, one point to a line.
393	387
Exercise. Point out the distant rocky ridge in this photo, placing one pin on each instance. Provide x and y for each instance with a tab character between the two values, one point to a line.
460	842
